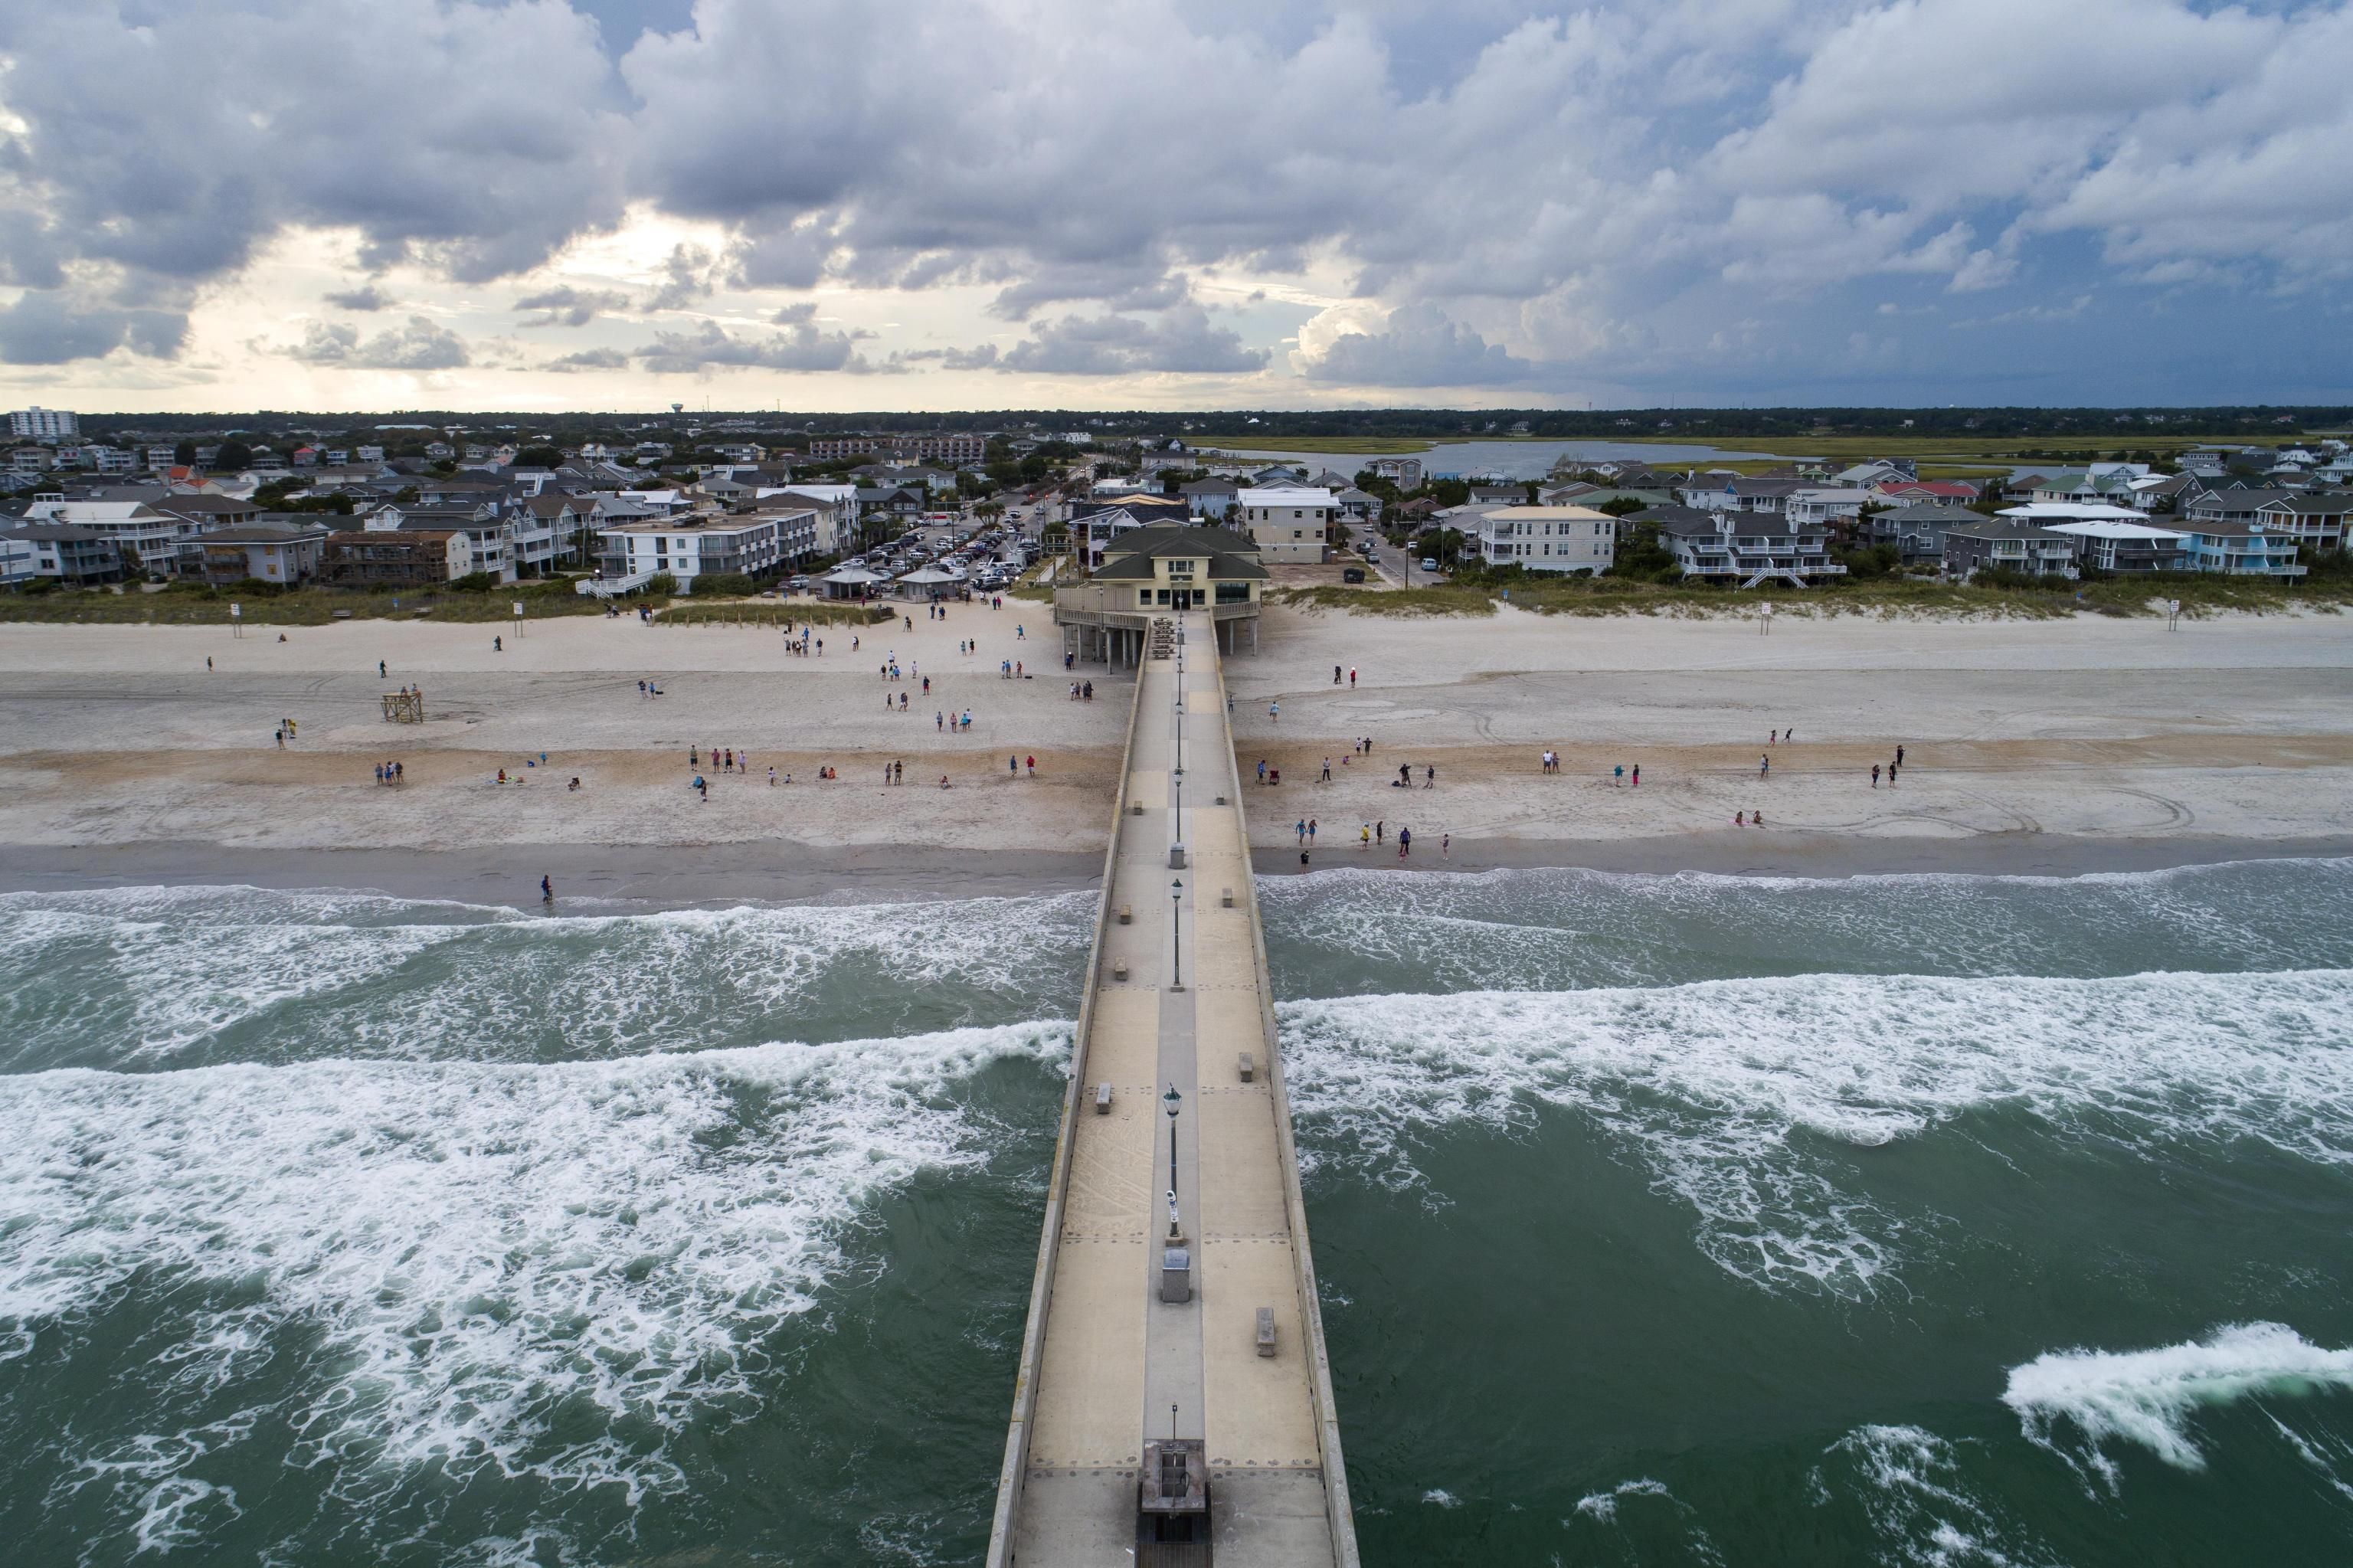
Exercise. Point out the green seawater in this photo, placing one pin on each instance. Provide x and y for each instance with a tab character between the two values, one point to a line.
1915	1220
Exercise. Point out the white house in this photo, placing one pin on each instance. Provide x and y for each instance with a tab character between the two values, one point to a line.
1825	507
689	547
1547	538
1290	525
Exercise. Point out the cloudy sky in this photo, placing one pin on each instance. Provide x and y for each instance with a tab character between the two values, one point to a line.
622	204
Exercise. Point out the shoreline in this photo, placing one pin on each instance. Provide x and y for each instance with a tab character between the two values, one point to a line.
508	874
1773	852
779	872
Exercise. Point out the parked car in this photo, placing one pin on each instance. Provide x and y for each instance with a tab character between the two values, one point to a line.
1353	575
1428	563
797	584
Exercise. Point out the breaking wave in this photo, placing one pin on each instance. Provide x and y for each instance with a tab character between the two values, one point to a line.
519	1269
1748	1100
2073	1401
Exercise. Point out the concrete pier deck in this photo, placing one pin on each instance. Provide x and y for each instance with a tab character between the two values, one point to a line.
1177	995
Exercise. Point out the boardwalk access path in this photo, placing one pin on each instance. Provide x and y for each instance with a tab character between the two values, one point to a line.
1178	997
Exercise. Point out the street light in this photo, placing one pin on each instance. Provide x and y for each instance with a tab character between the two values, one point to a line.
1171	1099
1176	936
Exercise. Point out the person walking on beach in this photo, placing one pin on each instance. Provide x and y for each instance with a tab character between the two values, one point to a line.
1352	677
379	670
1763	766
1274	713
1300	827
1327	770
1637	775
1310	833
1261	770
1874	775
546	890
1335	675
1381	831
1891	775
1445	844
1616	776
1899	757
498	644
1013	766
1363	835
1032	763
1404	842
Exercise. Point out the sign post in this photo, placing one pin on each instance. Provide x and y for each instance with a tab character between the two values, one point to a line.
237	620
1765	621
518	617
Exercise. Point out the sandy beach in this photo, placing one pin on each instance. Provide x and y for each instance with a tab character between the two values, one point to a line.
2065	745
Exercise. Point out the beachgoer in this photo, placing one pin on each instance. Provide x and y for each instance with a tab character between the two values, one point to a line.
1739	819
1363	835
1274	712
1429	776
498	644
1327	770
1352	677
1381	831
1899	757
1756	819
546	890
1404	842
1335	675
1261	770
1032	765
1874	775
208	660
1311	831
1445	844
1616	776
1637	775
1763	766
1300	828
379	670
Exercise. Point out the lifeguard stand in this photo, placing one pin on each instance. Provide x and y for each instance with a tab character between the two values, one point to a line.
403	708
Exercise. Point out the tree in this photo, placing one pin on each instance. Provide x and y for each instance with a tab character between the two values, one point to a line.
184	454
233	455
1622	506
539	457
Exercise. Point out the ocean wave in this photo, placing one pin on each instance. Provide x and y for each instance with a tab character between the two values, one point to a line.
150	978
1557	929
525	1270
2073	1402
1907	1484
1746	1098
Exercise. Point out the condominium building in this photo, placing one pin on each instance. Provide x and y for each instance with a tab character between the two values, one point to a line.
1547	538
37	424
1290	525
691	546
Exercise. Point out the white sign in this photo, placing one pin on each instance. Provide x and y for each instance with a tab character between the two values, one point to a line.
236	610
517	604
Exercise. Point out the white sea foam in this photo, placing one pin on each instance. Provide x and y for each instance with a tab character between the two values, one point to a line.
1748	1099
163	970
2149	1397
1908	1483
1438	1497
467	1258
1603	1506
1556	928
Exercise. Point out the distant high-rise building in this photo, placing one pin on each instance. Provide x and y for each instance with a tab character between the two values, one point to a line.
35	423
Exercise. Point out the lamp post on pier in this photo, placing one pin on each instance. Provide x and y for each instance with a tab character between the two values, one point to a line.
1176	936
